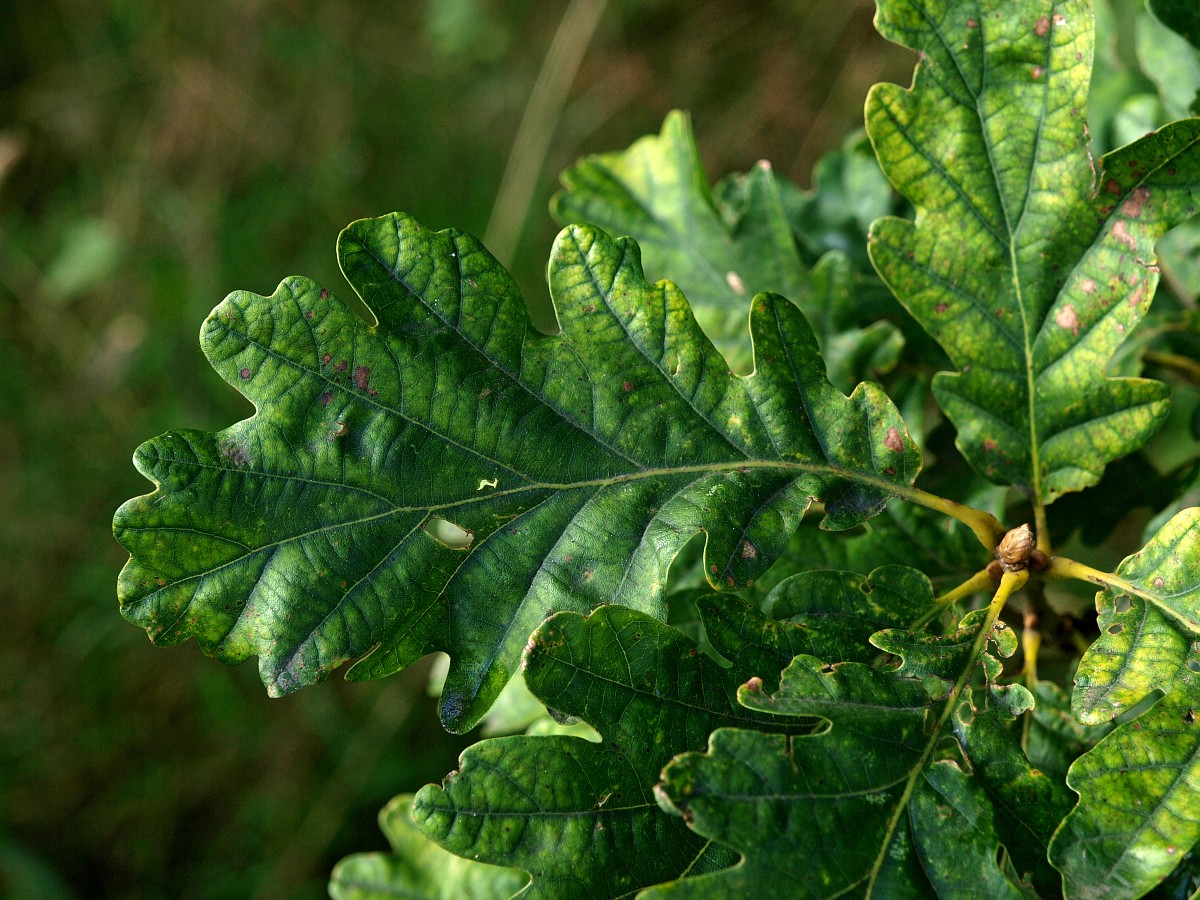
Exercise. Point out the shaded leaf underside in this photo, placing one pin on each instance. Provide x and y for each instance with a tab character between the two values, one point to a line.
862	809
575	464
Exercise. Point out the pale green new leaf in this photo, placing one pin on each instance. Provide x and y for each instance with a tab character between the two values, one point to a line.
1139	801
581	816
417	868
1149	628
571	467
1027	261
864	808
656	191
722	250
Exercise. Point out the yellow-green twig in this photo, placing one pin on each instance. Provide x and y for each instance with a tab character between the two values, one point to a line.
981	580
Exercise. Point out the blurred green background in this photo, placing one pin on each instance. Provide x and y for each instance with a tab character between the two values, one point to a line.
155	156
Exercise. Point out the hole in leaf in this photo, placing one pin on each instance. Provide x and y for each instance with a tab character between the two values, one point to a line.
1140	707
448	534
1123	603
1193	665
1116	628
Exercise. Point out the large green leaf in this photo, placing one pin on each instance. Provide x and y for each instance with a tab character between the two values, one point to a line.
571	467
1139	793
722	250
417	868
581	816
1149	625
1028	262
866	807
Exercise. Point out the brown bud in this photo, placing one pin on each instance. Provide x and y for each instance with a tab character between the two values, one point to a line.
1015	549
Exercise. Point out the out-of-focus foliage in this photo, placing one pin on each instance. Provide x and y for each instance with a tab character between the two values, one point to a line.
154	157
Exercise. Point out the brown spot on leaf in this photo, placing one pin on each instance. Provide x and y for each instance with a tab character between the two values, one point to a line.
1132	207
893	441
324	294
1158	582
1060	19
244	373
1112	187
1121	232
341	366
1042	28
989	444
326	397
940	308
971	23
1067	318
626	386
325	358
749	551
362	377
1088	286
1038	71
235	453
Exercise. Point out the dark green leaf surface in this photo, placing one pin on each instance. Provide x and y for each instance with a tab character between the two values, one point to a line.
417	868
572	466
1182	16
1056	737
1139	801
1027	262
1028	805
849	193
903	534
721	252
852	606
581	816
861	809
1148	632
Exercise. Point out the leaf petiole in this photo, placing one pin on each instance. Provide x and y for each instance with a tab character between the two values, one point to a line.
986	527
1060	567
